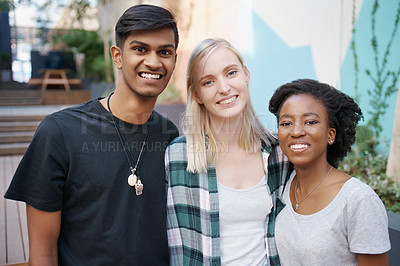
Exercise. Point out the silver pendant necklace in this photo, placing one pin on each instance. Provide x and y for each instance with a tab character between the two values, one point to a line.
133	179
295	189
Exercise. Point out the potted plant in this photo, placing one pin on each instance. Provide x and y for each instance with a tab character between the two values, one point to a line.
5	67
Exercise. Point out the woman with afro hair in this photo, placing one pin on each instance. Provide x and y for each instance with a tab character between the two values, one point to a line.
330	218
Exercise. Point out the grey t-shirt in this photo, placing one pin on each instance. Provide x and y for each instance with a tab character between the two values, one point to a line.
354	222
242	214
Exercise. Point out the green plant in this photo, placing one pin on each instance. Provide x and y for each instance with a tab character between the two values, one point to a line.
88	43
354	52
371	169
5	61
385	81
365	161
382	91
6	5
365	141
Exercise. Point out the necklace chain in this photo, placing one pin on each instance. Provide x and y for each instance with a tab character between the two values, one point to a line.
295	189
133	179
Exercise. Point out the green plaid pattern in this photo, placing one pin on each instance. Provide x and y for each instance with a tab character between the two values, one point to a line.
193	212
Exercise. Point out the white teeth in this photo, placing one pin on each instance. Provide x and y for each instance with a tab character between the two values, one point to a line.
228	100
298	146
150	76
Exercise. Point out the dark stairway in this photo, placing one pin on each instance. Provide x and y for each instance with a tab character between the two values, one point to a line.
20	97
16	133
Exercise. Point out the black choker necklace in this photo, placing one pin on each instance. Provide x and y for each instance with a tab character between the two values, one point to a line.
133	179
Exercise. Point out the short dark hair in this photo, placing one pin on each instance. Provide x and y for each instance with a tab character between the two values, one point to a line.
343	113
144	17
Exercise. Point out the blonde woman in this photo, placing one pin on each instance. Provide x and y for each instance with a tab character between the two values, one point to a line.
226	174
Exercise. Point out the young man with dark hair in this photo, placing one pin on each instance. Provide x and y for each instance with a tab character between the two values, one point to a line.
93	177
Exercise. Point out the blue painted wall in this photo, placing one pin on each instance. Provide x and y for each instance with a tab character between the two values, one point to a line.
385	18
273	63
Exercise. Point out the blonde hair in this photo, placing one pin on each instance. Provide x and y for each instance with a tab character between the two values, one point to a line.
201	144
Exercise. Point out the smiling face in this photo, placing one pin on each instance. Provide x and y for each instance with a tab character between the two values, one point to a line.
221	84
304	130
146	61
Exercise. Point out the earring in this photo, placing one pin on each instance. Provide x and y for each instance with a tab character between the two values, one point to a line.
330	141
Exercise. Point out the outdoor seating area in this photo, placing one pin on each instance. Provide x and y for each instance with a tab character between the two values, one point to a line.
55	68
54	77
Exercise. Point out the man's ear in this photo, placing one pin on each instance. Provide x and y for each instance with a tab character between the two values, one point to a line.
116	55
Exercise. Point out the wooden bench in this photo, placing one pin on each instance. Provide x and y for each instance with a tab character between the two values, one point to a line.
54	77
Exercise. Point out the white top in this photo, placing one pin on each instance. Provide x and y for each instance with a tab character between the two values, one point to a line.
242	214
354	222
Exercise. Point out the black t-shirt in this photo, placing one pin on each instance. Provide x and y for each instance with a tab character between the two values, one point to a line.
76	163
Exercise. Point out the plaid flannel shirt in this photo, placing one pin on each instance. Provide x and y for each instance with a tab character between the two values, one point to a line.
193	210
